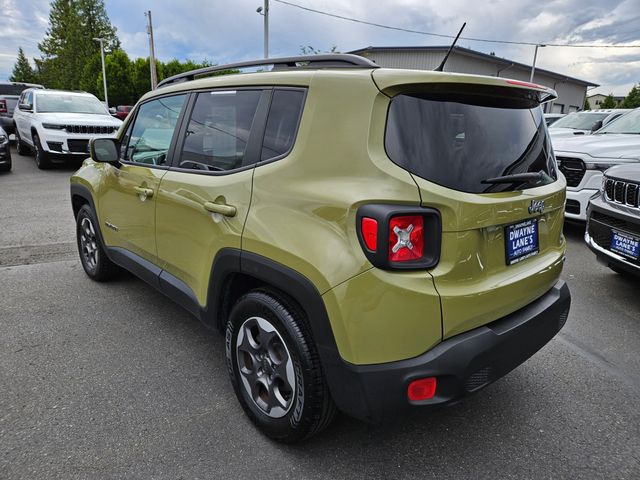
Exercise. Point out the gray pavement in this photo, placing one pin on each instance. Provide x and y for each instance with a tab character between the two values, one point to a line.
115	381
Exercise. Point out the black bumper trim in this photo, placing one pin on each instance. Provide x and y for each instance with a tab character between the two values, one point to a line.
462	364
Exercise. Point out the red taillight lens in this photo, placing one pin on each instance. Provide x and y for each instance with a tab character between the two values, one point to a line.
422	389
3	106
370	233
406	238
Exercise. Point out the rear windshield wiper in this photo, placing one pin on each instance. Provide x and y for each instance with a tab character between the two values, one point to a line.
527	177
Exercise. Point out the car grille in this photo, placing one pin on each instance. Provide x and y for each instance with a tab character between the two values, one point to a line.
90	129
79	146
573	169
621	192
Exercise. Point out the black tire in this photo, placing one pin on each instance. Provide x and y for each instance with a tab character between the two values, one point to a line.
305	408
21	147
94	260
6	167
42	158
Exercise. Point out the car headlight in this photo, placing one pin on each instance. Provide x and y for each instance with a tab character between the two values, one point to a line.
52	126
3	138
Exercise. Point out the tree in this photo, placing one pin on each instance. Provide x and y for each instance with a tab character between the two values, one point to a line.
68	43
632	100
22	70
587	105
608	102
309	50
119	86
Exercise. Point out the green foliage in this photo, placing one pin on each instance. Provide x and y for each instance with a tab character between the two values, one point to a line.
632	100
119	86
22	70
608	102
309	50
587	105
68	44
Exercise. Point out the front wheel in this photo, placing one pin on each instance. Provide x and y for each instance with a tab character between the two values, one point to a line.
42	158
275	369
94	260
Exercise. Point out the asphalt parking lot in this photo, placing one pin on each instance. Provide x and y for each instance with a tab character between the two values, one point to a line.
115	381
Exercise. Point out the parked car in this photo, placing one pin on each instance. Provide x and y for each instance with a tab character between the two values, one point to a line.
57	125
613	220
9	94
583	159
5	151
376	240
122	111
584	123
551	118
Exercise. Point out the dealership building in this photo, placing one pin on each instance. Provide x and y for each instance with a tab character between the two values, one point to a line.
571	91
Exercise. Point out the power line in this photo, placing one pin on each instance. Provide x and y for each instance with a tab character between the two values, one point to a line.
400	29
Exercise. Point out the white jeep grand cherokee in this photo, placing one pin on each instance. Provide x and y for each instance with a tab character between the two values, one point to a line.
57	125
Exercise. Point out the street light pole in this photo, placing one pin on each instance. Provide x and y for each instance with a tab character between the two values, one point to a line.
535	55
104	70
264	11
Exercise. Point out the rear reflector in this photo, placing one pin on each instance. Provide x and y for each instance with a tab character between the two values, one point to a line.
370	233
422	389
406	238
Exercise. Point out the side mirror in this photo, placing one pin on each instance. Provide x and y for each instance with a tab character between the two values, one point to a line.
596	126
104	150
26	107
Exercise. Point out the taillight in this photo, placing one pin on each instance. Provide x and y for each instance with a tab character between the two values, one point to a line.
3	106
406	238
398	237
370	233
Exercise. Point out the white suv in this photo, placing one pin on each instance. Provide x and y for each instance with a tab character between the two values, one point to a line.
582	159
57	125
585	122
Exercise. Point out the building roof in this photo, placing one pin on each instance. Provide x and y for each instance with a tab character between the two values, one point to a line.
476	54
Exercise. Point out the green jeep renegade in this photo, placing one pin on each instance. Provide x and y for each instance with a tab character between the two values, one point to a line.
369	240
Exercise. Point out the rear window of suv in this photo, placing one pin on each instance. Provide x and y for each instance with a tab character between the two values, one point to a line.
458	145
8	89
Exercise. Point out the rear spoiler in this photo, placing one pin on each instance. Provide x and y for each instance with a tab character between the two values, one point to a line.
475	89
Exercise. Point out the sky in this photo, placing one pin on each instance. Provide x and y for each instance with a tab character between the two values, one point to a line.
225	31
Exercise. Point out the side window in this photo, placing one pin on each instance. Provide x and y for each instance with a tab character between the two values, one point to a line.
29	99
282	123
218	131
147	141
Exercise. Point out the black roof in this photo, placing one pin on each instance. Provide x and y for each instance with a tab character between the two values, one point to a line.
474	53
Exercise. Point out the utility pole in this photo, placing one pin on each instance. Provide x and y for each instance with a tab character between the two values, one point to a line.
104	70
152	52
535	55
264	11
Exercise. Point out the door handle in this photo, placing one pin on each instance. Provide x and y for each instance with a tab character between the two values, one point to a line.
146	192
221	208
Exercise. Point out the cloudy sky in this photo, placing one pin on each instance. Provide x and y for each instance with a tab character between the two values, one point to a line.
230	30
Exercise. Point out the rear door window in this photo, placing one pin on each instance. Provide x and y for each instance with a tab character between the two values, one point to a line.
218	132
459	145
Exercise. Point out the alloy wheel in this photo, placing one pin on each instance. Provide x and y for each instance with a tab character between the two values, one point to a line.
266	368
88	243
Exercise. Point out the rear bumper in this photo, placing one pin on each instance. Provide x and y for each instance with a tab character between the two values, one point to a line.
462	364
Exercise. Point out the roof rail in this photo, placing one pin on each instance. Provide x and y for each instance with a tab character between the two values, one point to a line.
332	60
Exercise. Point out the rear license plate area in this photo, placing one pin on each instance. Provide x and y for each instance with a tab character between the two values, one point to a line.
625	244
521	241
